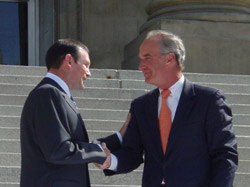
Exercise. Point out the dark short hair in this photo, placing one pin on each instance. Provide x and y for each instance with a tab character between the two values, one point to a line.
56	53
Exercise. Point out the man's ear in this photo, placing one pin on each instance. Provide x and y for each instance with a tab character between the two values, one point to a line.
170	57
67	61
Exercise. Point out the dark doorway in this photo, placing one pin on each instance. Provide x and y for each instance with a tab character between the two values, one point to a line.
13	33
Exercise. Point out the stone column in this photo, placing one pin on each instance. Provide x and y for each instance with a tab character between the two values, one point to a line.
215	33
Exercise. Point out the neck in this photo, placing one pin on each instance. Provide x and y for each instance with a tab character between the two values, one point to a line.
59	74
170	81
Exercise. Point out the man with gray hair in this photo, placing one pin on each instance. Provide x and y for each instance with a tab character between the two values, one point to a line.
181	131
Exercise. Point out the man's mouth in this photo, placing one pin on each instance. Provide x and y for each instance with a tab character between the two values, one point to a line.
146	73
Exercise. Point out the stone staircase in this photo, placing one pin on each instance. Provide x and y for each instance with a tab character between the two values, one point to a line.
104	106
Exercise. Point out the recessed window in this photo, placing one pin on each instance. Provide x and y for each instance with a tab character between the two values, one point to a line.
13	33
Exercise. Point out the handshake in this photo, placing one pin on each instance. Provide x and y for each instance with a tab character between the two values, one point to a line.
107	162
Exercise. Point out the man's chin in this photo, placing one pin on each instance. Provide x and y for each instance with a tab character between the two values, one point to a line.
79	88
147	80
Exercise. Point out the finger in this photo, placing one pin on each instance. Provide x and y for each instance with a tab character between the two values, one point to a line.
104	145
106	164
106	150
98	165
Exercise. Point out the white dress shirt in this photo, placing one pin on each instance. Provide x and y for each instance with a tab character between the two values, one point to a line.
173	98
59	81
172	102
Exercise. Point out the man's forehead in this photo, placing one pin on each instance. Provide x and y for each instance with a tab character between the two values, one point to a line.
84	55
149	45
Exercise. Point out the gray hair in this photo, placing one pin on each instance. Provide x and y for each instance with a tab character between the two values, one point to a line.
170	43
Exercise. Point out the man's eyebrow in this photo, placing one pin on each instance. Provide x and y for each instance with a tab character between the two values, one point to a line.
147	55
86	61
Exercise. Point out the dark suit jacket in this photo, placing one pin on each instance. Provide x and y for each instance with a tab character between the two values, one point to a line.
201	151
55	146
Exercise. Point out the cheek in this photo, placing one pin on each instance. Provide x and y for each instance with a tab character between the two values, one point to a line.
147	65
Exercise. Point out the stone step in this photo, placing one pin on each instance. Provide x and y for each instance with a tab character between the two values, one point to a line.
225	87
109	103
14	160
14	121
113	93
9	184
105	114
127	74
242	179
219	78
13	145
98	179
34	80
127	84
238	98
241	119
22	70
112	127
41	71
91	124
82	102
240	108
195	77
230	88
242	130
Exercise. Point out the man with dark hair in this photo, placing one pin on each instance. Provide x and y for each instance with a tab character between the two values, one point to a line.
55	148
181	131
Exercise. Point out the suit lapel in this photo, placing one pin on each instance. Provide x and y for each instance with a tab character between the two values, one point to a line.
67	99
152	113
185	105
70	103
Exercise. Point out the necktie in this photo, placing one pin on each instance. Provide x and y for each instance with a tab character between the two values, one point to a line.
164	120
72	99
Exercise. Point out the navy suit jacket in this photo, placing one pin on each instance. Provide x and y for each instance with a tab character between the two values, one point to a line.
55	148
201	150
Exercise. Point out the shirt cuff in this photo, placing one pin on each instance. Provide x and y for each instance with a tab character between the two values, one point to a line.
119	136
100	147
114	163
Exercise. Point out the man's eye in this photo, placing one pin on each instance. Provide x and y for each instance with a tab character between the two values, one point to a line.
86	65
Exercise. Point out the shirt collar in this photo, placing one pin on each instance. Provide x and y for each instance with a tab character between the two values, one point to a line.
176	88
59	81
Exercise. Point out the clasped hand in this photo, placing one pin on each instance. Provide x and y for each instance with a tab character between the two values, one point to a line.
107	162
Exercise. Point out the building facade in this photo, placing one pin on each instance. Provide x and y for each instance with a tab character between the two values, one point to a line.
215	33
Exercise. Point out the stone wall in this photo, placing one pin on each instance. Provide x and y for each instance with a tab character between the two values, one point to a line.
104	26
215	33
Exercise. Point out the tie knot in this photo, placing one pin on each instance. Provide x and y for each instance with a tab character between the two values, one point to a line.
165	93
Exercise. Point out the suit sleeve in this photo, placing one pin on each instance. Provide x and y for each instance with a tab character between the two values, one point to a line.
53	134
221	142
112	142
130	156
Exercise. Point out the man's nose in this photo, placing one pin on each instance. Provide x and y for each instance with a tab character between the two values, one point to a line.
88	73
141	66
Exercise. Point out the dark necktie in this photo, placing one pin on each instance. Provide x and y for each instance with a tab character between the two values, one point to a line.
72	99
